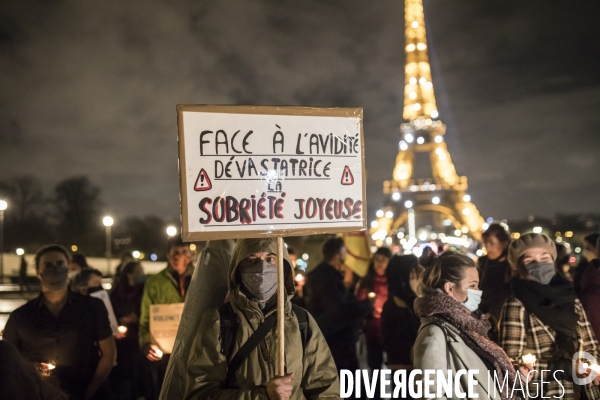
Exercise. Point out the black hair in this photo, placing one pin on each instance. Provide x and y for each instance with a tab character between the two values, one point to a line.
49	248
332	247
79	259
592	238
175	241
369	278
129	267
497	230
428	257
398	276
291	251
82	278
562	258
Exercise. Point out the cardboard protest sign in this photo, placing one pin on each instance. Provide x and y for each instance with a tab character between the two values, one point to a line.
164	322
103	295
248	171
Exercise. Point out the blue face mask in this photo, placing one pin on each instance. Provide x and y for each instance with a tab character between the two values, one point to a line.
473	299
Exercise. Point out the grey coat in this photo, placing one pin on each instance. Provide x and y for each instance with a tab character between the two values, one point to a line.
431	352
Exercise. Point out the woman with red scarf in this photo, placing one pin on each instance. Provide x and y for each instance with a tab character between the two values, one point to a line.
454	333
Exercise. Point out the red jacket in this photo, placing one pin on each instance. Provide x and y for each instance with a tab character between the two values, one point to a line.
380	288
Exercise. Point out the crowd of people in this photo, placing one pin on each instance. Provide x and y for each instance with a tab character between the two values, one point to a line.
514	312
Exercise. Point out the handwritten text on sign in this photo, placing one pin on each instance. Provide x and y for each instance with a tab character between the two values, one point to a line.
260	172
164	322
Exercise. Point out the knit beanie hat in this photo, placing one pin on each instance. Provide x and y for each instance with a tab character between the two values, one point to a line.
529	241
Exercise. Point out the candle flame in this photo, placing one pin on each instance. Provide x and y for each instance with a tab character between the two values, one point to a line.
529	359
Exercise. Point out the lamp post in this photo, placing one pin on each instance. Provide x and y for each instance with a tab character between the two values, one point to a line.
108	223
3	206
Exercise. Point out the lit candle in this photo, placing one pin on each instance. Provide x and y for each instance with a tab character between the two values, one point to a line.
529	359
46	368
159	353
299	278
122	329
372	295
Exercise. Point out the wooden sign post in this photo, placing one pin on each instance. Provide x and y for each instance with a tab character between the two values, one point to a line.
252	171
280	310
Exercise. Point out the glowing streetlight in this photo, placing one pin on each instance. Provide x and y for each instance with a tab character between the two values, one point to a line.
108	222
171	231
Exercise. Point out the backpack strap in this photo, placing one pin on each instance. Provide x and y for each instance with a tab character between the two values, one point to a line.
243	352
302	317
229	327
443	328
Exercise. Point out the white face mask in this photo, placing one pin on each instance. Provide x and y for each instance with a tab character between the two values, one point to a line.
473	299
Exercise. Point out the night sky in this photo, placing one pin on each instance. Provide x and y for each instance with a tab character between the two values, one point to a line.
91	88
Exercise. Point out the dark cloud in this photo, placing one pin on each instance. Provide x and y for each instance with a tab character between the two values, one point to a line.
91	88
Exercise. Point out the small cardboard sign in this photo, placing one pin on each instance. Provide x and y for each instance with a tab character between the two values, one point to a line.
164	322
269	171
103	295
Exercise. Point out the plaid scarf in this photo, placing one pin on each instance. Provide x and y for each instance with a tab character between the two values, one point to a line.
472	330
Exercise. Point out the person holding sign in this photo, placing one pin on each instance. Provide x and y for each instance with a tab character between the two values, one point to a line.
234	354
169	286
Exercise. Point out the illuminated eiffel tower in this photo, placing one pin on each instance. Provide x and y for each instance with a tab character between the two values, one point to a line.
437	207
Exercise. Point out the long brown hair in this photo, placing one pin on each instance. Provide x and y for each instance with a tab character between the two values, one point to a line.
449	267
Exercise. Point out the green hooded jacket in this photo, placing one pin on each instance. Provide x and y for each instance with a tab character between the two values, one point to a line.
315	374
159	289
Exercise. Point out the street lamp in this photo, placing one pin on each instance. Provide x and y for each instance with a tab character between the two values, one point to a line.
108	223
3	206
171	231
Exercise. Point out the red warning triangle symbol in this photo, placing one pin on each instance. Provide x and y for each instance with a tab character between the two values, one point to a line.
202	182
347	178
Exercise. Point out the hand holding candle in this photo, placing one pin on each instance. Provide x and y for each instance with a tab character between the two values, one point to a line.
153	353
122	329
158	352
45	369
529	359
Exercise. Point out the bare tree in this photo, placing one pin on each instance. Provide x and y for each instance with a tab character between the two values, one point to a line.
77	203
